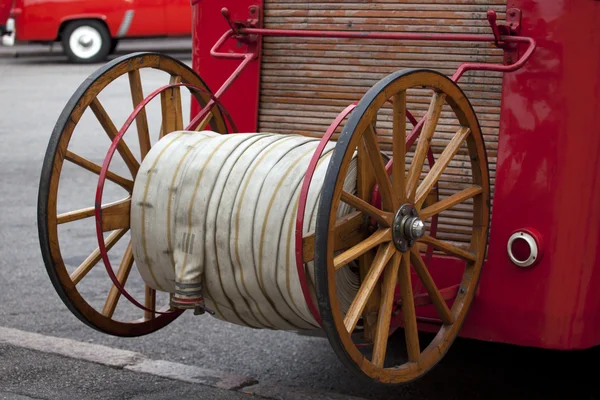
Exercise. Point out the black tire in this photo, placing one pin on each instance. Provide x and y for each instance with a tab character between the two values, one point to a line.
101	42
113	46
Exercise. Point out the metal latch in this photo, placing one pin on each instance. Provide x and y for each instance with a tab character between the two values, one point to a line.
512	27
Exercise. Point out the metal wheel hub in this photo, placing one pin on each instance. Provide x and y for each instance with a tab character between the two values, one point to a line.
85	41
407	227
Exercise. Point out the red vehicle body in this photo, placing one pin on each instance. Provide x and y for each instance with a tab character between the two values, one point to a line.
49	21
546	181
5	6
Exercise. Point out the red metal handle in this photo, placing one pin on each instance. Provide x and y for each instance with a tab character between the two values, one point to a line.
491	17
215	51
499	67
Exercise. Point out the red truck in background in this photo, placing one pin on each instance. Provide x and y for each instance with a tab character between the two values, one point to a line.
90	30
5	6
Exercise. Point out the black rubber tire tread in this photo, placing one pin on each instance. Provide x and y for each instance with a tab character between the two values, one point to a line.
113	45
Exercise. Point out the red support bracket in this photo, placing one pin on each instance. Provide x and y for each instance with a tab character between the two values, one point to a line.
512	27
513	21
236	26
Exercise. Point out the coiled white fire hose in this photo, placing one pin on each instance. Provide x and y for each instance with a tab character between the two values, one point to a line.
214	215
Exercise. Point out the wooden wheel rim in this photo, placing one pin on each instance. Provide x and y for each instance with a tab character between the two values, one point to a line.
329	308
50	176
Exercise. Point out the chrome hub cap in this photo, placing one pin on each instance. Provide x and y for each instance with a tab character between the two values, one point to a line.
85	41
407	227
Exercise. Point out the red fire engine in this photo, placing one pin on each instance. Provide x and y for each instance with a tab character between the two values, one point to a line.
444	178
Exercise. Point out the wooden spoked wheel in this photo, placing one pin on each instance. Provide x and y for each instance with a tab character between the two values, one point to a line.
97	306
391	257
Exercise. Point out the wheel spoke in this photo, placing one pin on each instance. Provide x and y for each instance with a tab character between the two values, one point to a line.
390	279
434	294
440	165
114	215
374	153
150	303
384	253
95	168
347	233
178	106
202	125
450	202
447	248
409	315
122	274
141	121
89	263
384	218
399	148
172	116
109	127
380	236
432	118
366	181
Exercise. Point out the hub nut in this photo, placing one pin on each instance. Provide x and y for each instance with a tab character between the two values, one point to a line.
407	227
417	228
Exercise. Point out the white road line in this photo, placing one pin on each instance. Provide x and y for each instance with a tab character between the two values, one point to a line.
122	359
70	348
193	374
137	362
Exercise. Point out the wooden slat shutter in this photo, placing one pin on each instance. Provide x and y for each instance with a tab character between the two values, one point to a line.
305	83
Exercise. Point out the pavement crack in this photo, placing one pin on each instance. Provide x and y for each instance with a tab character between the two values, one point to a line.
245	385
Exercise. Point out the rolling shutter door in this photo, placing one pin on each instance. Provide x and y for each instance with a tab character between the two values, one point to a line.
306	82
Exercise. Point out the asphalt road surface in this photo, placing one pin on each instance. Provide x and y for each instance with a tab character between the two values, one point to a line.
39	375
34	87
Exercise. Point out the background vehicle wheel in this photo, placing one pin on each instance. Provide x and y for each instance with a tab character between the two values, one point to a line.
113	45
86	41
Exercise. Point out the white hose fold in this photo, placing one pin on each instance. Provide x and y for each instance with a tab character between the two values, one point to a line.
215	215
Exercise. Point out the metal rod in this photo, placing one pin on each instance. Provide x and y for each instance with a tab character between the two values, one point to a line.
498	67
247	58
373	35
447	37
367	35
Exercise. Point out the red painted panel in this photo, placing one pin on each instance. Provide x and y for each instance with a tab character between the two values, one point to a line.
178	17
149	18
208	26
5	6
547	178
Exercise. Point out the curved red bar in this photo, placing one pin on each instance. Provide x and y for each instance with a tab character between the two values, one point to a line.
302	208
102	179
